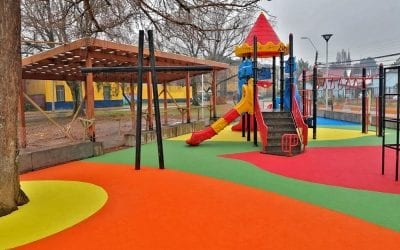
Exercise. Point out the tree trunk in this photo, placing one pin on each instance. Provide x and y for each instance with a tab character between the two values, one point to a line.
76	92
11	194
195	96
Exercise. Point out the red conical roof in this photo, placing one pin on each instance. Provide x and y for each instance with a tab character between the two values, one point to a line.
263	31
268	43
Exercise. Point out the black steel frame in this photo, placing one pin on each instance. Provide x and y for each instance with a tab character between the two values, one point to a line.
140	69
395	146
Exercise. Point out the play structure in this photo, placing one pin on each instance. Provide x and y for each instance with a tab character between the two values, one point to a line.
245	105
282	130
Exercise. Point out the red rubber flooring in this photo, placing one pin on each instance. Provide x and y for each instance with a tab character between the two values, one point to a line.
353	167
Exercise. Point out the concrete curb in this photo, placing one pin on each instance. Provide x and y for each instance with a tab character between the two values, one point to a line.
47	157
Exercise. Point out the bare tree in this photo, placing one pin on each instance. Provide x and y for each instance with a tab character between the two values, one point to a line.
63	21
186	12
210	28
11	194
66	20
214	37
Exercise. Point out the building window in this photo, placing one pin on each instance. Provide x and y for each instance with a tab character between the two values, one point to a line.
107	92
60	93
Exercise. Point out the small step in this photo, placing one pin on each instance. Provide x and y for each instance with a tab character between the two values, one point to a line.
277	135
277	150
282	126
274	115
271	122
279	123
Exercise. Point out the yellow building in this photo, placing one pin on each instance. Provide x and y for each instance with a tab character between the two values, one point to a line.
55	95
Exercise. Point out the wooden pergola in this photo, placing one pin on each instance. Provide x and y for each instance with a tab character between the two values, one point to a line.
65	62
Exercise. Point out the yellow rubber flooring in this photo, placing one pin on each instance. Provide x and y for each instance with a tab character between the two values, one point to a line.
53	207
323	134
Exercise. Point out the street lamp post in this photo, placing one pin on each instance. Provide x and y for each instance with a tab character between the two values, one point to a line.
312	44
326	38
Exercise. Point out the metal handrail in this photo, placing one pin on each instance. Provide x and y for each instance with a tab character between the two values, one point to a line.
301	127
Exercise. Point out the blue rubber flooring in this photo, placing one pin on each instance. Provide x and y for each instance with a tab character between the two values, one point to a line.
330	122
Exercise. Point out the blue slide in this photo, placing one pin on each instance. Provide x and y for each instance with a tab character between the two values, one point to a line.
286	96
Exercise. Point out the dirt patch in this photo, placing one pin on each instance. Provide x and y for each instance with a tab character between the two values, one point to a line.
110	126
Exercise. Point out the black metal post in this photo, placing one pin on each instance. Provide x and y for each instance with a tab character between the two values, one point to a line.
383	123
304	92
156	101
291	71
380	100
255	90
243	124
316	56
274	83
248	128
139	101
282	79
397	127
314	91
364	103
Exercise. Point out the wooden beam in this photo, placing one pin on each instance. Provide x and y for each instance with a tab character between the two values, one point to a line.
187	81
96	55
56	51
165	69
90	101
64	62
214	93
132	107
90	43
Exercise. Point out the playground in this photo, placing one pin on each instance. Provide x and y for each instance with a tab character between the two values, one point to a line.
294	182
223	194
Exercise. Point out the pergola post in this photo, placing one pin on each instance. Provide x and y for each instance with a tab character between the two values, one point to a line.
214	93
90	100
132	107
187	83
21	113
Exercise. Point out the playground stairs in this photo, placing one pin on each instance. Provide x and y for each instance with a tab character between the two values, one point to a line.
280	127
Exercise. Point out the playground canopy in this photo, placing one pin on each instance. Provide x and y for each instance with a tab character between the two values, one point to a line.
64	62
268	43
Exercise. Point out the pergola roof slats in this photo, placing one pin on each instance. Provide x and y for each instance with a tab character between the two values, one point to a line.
64	62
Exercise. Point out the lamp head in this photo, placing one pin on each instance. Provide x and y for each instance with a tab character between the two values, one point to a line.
327	36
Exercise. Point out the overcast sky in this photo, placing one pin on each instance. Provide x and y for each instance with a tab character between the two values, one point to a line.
367	28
